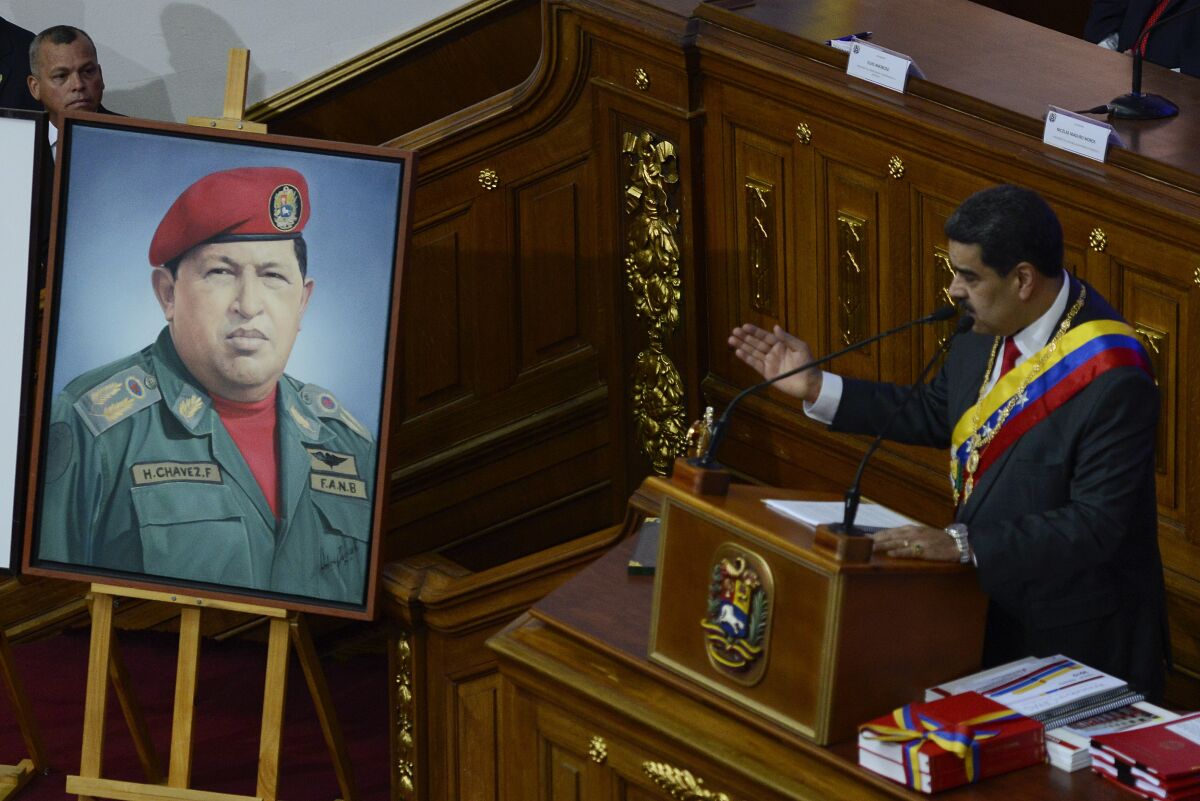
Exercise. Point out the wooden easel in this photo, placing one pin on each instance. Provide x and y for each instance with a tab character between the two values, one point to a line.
285	627
14	777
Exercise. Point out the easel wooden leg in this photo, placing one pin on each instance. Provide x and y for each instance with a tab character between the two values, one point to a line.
180	774
272	719
14	777
20	702
97	689
132	711
319	689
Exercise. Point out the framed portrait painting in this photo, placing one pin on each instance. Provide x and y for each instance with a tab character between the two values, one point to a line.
23	145
217	363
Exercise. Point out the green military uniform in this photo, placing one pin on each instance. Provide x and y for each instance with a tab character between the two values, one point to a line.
141	476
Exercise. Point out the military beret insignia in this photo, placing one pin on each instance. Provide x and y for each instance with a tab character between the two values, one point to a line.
285	207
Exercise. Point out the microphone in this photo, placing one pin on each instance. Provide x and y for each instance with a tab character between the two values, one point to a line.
1135	105
853	495
708	460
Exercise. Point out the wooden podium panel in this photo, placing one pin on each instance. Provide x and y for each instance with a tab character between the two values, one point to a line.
843	640
584	716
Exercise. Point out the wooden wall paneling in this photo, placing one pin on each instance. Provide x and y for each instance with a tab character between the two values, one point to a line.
463	58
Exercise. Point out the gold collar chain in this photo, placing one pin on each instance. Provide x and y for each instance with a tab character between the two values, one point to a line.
980	439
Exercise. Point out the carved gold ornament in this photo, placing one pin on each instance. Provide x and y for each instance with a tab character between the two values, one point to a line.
853	282
679	783
1098	240
760	236
1196	276
489	179
652	276
641	79
405	744
804	133
598	750
896	167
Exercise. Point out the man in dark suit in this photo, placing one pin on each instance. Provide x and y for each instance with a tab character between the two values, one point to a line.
14	67
1118	24
66	74
1049	409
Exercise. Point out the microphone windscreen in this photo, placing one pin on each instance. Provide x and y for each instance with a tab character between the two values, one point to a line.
942	313
965	323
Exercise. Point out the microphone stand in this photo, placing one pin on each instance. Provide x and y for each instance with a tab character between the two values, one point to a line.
1135	105
853	495
704	475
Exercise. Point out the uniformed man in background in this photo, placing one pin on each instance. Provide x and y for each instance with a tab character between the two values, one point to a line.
197	458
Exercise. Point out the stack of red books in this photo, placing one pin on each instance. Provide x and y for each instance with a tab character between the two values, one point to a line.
950	742
1160	761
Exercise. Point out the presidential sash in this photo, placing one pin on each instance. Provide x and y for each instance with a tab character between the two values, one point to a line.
1030	392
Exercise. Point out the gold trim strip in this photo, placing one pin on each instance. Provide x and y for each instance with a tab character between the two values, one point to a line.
853	279
375	58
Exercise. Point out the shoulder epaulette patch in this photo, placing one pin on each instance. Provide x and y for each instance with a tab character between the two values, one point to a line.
322	403
117	397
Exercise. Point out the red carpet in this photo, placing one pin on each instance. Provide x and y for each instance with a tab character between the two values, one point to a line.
228	716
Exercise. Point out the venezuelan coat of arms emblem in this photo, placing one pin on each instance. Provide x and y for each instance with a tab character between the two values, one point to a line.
739	614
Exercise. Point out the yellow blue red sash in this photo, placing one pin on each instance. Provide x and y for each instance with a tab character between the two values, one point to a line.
1082	354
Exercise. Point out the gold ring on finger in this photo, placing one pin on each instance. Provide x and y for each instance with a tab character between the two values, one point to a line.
918	548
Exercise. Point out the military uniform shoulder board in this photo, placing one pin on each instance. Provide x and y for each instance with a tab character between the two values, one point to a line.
112	400
322	403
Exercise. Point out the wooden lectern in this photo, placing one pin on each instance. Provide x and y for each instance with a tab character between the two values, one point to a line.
836	642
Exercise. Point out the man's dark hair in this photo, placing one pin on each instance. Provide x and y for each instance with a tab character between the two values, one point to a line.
1011	224
301	256
59	35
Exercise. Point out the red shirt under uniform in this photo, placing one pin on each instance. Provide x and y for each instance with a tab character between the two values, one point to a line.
252	427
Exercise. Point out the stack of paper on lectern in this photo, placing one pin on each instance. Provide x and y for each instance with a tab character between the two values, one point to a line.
870	517
1053	690
1159	761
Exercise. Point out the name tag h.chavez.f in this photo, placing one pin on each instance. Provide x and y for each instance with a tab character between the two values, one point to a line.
163	472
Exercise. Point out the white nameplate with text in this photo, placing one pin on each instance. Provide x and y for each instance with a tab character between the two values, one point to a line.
880	65
1078	134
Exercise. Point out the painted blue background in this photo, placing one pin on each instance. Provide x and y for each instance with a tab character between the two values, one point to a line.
120	185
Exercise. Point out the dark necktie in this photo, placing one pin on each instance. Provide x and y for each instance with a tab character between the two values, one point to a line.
1011	354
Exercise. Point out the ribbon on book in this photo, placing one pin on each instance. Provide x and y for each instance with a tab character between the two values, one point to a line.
958	738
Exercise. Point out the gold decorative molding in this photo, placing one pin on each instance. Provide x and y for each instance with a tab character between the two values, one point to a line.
679	783
853	287
652	276
1157	342
896	167
373	59
941	261
760	235
641	79
1098	240
405	743
1196	276
489	179
804	133
598	750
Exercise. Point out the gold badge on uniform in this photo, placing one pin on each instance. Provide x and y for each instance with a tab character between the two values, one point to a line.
286	207
189	407
305	424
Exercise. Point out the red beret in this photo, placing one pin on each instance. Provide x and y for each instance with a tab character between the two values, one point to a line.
246	203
